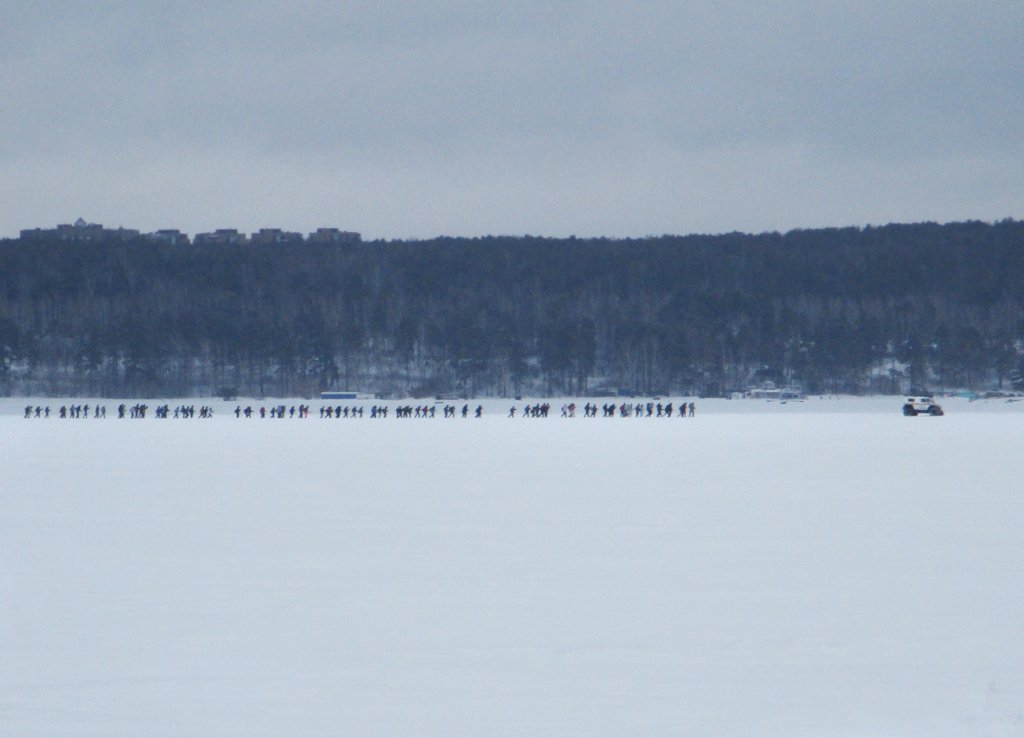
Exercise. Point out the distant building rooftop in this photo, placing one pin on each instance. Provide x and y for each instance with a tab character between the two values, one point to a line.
171	236
85	232
275	236
334	235
80	231
220	237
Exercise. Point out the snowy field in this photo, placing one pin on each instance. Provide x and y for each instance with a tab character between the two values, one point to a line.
824	568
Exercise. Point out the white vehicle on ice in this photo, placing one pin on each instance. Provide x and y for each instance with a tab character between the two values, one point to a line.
921	406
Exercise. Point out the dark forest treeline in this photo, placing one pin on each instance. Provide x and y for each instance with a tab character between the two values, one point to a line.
852	310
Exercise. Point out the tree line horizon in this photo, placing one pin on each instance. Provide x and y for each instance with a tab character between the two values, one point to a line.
879	309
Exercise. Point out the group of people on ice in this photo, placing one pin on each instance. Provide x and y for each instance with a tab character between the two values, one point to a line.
135	412
538	410
639	410
66	411
278	411
430	411
181	411
609	410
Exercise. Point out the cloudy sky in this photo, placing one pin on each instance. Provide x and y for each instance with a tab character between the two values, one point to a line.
459	117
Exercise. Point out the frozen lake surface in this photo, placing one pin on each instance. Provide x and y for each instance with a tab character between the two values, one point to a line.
827	568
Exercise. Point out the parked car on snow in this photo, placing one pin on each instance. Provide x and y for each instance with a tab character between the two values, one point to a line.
921	406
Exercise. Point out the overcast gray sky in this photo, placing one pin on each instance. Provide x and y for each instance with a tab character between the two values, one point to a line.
415	119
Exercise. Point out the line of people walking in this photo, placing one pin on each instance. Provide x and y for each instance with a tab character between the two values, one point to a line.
302	411
640	410
137	411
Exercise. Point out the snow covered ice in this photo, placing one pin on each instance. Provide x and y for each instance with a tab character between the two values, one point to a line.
827	568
